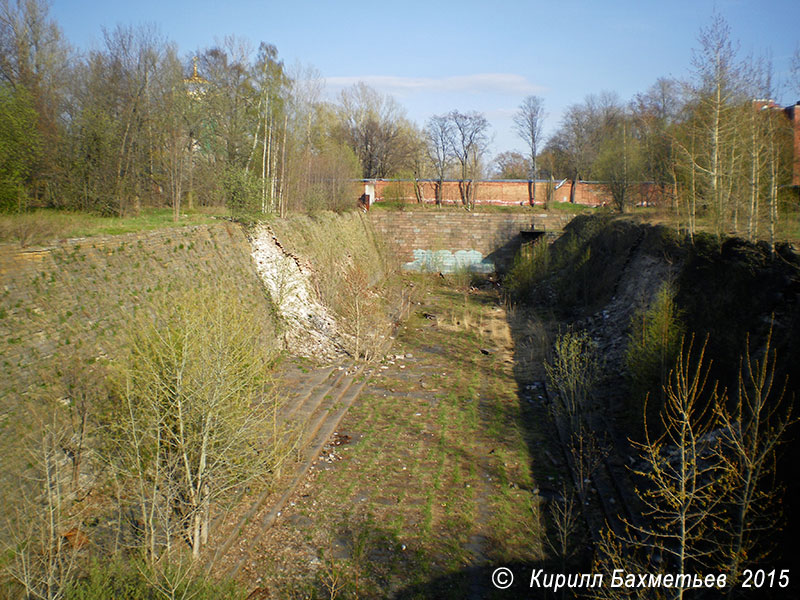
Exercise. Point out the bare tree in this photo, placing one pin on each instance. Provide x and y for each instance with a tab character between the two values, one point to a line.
41	538
752	430
511	165
438	134
125	118
528	122
583	129
469	141
375	127
565	514
655	113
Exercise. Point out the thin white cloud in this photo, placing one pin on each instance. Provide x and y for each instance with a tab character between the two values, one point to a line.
496	83
501	113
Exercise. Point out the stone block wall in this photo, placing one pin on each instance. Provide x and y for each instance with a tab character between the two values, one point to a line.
451	239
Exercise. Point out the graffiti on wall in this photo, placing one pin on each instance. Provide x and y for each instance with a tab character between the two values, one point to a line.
446	261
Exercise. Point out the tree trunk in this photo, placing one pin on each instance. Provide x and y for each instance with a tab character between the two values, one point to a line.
281	200
264	153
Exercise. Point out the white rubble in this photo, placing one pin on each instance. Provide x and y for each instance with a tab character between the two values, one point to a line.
310	329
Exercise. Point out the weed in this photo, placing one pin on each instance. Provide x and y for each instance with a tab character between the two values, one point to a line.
530	265
653	344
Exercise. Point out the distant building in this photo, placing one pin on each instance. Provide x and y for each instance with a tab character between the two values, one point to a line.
793	114
196	86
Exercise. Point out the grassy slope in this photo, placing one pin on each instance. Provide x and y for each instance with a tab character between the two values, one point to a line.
44	226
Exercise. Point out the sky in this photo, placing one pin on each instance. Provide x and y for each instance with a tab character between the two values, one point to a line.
467	55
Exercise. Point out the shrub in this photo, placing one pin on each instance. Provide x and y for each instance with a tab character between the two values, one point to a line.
531	264
28	228
653	344
134	580
193	397
572	371
241	193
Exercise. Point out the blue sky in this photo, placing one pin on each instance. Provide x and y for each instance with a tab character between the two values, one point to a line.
487	56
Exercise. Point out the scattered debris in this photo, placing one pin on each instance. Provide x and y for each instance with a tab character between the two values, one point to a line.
329	453
76	538
340	439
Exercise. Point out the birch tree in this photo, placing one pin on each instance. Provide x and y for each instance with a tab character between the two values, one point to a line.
708	149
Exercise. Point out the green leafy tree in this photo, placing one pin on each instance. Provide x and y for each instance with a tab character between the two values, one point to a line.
242	194
35	57
19	145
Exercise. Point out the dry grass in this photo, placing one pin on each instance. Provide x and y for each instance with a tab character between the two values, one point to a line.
352	273
533	337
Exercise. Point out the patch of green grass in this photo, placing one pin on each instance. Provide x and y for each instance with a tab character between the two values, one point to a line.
47	225
568	207
424	457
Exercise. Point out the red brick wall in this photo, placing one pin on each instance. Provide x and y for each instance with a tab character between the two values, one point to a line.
496	192
795	114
